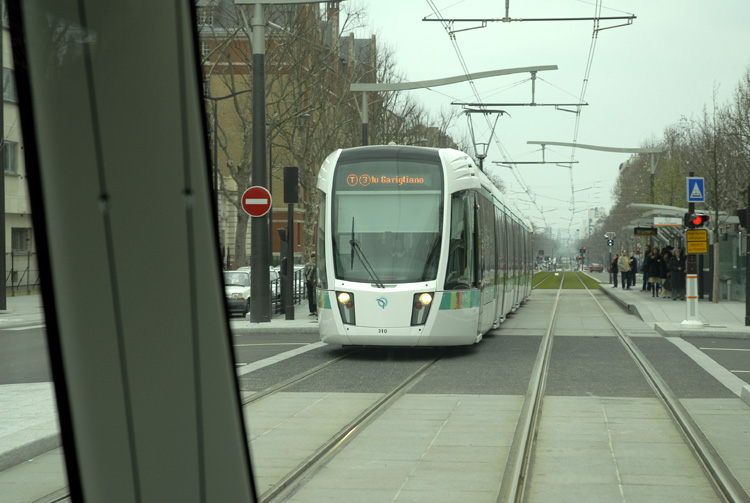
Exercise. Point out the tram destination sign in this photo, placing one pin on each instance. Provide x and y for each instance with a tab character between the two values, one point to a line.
380	176
645	231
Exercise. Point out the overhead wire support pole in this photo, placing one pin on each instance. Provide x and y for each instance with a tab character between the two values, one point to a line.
365	87
520	104
535	19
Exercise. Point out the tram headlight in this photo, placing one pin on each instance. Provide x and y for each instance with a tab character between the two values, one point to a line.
421	308
346	307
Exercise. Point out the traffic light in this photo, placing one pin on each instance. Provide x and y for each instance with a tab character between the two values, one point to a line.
700	221
583	249
610	242
696	220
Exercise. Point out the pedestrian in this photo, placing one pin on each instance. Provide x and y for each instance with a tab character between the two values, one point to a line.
633	269
644	268
613	270
666	282
654	271
677	267
310	275
623	265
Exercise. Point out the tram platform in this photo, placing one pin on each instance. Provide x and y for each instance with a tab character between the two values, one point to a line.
670	318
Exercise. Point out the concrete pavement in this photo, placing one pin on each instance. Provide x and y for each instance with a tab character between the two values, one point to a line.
28	413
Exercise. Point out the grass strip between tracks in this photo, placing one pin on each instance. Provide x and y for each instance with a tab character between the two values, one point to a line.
551	280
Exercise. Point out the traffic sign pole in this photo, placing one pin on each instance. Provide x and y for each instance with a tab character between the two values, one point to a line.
691	281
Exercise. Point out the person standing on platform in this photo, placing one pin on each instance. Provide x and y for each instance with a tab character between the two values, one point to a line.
623	265
666	282
644	268
654	271
613	270
310	283
677	267
633	269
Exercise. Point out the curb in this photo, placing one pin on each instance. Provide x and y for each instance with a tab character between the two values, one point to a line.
266	329
631	308
29	450
677	330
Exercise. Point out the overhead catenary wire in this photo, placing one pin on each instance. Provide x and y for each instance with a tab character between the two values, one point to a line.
475	91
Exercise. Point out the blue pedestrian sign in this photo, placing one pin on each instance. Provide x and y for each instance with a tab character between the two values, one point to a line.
695	190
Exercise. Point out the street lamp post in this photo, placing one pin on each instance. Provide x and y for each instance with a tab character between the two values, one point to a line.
215	101
260	302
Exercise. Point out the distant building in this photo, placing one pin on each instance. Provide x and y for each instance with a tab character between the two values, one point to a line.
21	270
225	50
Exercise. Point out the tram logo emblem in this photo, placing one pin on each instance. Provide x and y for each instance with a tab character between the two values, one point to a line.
382	302
363	180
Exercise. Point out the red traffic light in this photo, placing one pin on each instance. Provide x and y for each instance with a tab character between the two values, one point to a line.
700	220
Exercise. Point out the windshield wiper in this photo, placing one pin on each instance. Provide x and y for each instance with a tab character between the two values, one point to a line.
356	247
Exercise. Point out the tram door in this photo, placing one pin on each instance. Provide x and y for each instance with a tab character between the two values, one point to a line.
488	260
500	254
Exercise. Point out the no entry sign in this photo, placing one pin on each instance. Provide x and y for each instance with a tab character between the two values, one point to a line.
256	201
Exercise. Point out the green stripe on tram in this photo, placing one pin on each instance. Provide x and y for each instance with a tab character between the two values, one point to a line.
463	299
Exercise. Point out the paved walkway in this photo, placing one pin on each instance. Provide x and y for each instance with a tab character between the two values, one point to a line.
667	316
28	418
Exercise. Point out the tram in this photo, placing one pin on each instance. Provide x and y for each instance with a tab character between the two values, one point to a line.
416	247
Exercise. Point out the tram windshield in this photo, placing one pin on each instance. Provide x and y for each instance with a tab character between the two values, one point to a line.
387	220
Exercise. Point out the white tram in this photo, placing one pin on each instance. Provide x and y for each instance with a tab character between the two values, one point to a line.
415	248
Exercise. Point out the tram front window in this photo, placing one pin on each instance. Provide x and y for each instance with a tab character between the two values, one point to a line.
386	221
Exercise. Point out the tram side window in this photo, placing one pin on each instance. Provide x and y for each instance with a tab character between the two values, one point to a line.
460	267
488	242
320	248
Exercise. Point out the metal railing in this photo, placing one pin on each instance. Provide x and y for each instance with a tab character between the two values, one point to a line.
22	272
299	293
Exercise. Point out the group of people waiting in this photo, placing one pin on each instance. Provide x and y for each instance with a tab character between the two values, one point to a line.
663	271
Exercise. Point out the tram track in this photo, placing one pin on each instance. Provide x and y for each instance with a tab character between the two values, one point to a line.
516	479
305	469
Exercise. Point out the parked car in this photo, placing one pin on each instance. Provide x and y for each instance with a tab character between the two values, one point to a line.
595	268
237	290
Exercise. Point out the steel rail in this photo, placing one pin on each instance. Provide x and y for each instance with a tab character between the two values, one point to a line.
293	380
299	476
515	476
718	473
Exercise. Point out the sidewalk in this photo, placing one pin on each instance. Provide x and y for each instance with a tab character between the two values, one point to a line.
723	319
28	415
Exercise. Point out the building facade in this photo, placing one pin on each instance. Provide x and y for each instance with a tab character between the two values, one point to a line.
21	270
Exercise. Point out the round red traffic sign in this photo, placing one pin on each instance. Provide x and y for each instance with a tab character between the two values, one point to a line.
256	201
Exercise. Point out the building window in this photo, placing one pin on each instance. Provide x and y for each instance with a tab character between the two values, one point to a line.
9	86
205	48
205	16
10	151
20	239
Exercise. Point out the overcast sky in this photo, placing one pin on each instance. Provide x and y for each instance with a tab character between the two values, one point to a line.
643	77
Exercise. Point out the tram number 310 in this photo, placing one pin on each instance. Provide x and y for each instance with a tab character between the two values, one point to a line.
382	330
